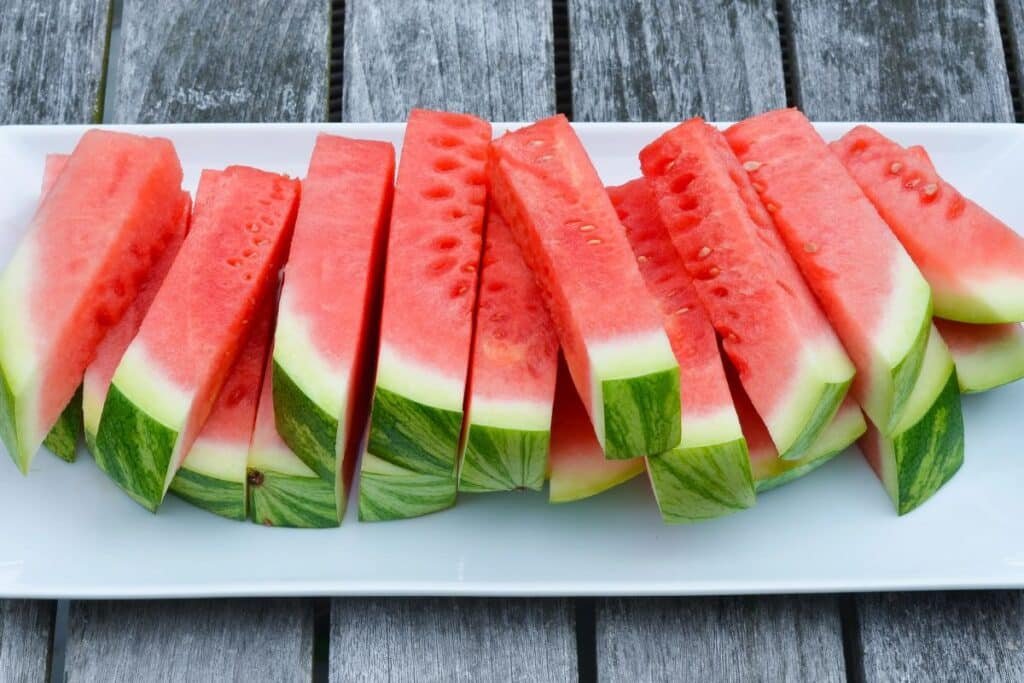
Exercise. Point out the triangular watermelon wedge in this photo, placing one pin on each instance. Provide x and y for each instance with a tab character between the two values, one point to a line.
108	217
708	474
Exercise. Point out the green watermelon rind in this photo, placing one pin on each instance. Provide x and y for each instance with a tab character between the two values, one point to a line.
134	449
703	482
839	435
928	446
220	496
503	459
64	436
907	371
8	424
823	411
641	414
992	367
308	430
290	500
388	492
414	436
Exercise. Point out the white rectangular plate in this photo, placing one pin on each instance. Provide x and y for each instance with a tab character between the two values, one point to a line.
66	531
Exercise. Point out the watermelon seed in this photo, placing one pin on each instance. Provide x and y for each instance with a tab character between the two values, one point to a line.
758	187
771	207
751	166
704	252
247	277
587	227
732	337
248	253
895	167
439	192
260	241
445	164
442	265
469	268
536	142
233	262
594	241
912	183
680	184
252	227
688	203
684	309
546	157
642	259
255	478
810	247
720	292
459	290
457	213
929	190
446	141
446	243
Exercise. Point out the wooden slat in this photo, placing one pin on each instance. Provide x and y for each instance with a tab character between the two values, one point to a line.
51	60
492	59
209	640
939	60
452	640
668	60
942	636
51	70
776	638
194	60
928	60
26	634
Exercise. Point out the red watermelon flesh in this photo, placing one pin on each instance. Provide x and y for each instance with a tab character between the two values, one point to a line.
52	168
973	261
426	332
867	284
578	468
789	359
512	374
109	215
168	379
609	327
986	356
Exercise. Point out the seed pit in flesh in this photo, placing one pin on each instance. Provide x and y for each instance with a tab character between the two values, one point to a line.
682	182
720	292
439	192
458	289
441	265
688	203
495	286
446	243
445	164
445	141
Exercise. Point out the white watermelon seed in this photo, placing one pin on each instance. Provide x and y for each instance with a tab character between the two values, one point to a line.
587	227
704	252
896	167
810	247
929	189
751	166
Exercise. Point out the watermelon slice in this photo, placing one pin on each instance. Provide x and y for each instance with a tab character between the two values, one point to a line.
512	376
986	356
867	284
577	463
427	318
927	446
283	490
169	377
790	362
323	339
108	217
213	474
611	332
973	261
708	474
63	438
769	470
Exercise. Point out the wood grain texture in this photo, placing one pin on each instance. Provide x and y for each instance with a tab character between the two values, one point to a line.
659	60
942	636
193	60
190	640
1012	19
51	60
452	640
938	60
26	636
492	59
778	638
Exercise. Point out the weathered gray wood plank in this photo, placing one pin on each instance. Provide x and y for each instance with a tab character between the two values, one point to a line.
51	60
26	635
492	59
942	636
660	60
191	640
776	638
452	640
936	60
192	60
1013	22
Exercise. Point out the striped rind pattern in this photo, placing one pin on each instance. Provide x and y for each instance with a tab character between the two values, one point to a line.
414	436
307	430
499	459
641	414
388	492
693	484
286	500
219	496
64	436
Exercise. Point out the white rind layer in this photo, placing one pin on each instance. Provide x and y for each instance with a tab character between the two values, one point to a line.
996	299
935	369
278	458
19	360
294	350
218	459
845	428
418	383
139	378
510	414
93	397
710	429
621	358
822	362
992	365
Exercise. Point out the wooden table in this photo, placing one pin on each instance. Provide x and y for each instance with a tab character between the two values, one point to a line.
596	60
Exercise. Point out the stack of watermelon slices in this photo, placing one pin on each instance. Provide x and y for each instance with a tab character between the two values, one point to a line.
765	273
